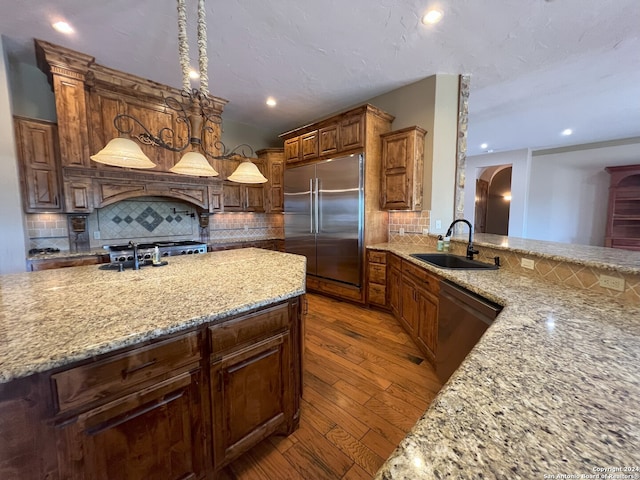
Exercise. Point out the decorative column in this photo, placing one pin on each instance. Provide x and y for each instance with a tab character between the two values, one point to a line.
461	150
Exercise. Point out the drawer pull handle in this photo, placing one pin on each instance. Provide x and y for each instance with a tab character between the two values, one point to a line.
128	371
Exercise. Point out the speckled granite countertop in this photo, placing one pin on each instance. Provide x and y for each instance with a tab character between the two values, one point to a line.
624	261
54	317
552	388
68	254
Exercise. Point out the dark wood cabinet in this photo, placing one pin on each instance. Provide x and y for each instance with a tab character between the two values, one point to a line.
328	139
344	133
413	300
623	219
249	396
243	197
292	150
273	159
154	433
409	305
377	278
309	145
351	133
427	333
394	281
253	381
175	408
402	169
37	148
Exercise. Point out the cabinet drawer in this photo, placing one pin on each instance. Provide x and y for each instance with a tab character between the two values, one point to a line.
426	280
109	377
241	330
377	257
377	294
377	273
395	262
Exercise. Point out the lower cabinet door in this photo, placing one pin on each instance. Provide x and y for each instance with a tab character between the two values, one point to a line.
393	286
427	337
155	433
251	396
410	308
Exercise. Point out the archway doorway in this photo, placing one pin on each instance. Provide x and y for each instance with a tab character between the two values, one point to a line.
493	200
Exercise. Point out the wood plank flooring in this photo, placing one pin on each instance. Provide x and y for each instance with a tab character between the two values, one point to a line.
365	386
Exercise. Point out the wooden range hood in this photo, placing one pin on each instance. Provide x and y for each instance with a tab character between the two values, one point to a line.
88	96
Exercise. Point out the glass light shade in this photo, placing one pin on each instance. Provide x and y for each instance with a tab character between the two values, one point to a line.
247	172
194	164
123	152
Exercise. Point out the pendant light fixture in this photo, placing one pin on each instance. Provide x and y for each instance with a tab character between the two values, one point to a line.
195	111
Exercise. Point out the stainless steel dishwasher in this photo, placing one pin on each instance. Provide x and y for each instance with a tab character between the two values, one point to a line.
463	317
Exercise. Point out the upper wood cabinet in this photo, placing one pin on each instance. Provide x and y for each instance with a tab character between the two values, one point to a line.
402	169
351	132
309	144
243	197
292	150
623	220
274	188
36	143
328	138
341	134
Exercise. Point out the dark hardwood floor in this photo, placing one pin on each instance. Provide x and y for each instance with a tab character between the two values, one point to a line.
365	386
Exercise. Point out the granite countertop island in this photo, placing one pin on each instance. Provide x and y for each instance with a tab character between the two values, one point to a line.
552	388
52	318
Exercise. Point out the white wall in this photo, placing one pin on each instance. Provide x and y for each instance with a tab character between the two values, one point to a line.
235	134
445	139
520	160
12	238
568	191
431	103
559	195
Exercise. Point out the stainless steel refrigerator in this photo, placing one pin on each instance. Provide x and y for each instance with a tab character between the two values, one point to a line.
323	217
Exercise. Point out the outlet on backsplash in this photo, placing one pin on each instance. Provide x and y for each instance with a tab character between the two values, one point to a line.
613	283
527	263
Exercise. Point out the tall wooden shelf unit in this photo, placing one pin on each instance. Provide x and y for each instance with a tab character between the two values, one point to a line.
623	220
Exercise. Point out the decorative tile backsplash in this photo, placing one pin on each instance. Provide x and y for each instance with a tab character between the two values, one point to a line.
47	230
225	227
411	222
562	273
144	218
150	219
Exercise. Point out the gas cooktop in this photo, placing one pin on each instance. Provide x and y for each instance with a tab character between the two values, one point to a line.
123	253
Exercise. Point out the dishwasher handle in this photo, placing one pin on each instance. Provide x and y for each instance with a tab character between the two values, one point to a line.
471	302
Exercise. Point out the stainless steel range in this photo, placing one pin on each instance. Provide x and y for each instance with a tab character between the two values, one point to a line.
124	253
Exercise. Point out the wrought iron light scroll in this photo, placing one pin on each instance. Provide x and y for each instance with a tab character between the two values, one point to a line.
195	112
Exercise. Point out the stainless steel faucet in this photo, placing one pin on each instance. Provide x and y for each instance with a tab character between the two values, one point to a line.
136	261
470	251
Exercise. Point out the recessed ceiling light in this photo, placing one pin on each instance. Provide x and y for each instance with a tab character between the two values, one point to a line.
193	74
567	131
271	102
484	145
63	27
432	16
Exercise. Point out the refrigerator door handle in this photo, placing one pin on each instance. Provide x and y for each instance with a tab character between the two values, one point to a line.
317	207
311	210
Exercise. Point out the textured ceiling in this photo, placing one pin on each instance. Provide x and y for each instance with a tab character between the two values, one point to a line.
537	66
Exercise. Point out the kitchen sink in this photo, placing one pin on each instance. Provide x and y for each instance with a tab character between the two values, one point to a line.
455	262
